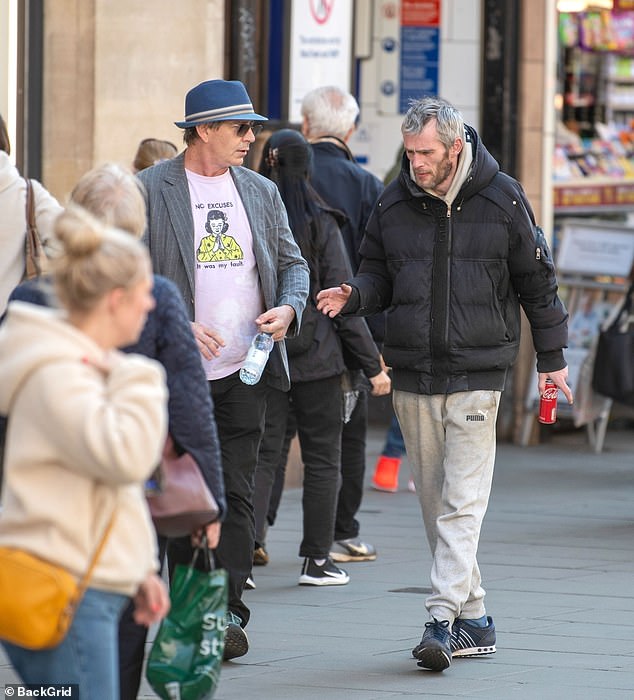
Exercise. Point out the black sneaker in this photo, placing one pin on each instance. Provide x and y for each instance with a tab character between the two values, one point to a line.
236	640
325	575
434	650
470	640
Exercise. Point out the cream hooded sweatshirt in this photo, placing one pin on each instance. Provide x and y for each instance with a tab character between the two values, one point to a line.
13	224
79	443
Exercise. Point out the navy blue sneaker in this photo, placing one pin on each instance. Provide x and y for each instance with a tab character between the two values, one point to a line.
236	640
434	650
470	640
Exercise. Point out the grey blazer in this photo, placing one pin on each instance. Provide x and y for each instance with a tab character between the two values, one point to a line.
170	238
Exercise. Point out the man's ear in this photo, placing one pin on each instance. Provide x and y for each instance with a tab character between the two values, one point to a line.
457	147
305	126
201	130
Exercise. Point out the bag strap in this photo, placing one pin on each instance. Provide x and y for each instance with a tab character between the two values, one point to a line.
85	579
203	549
621	316
626	316
31	242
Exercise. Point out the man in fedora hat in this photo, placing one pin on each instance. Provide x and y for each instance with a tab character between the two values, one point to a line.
230	299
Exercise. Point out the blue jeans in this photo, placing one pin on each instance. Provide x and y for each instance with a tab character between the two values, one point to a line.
394	443
87	656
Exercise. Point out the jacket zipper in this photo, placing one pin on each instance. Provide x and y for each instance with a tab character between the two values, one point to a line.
448	281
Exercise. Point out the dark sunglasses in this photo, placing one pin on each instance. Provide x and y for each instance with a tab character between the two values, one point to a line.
243	128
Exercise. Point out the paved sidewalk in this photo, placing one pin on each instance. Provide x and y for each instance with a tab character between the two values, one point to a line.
557	558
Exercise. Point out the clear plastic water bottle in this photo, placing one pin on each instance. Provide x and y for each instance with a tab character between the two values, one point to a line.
256	358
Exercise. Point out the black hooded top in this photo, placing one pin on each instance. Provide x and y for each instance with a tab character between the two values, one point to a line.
452	279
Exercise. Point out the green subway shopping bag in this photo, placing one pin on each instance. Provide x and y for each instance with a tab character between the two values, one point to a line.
186	656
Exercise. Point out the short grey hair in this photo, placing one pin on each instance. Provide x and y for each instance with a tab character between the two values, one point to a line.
449	121
330	111
114	196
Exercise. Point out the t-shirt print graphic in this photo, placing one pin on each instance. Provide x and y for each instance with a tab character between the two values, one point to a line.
218	246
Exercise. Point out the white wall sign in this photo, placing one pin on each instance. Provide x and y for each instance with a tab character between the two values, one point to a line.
321	48
389	55
596	249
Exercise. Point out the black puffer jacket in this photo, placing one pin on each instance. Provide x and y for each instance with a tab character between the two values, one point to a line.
452	281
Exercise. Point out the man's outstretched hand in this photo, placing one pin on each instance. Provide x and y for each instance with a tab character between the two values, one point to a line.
330	301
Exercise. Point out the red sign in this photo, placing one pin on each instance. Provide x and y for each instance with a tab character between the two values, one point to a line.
591	196
320	10
420	13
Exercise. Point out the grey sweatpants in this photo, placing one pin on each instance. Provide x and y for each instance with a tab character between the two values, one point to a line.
450	442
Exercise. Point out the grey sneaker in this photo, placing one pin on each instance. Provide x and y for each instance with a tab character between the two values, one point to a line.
236	640
352	549
434	650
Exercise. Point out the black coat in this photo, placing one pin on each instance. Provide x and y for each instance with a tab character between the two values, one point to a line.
347	187
452	281
344	185
328	337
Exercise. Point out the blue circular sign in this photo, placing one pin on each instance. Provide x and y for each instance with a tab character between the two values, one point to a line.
388	44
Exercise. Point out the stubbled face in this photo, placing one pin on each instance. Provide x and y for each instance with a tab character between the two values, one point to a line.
433	165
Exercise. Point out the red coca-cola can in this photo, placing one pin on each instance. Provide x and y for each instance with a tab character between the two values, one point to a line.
548	403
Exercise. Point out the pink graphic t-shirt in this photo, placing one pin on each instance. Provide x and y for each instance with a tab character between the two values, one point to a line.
228	295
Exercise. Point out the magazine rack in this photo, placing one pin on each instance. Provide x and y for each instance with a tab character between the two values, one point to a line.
594	262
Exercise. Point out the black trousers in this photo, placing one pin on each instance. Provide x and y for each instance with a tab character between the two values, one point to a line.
353	445
280	478
132	638
353	439
279	429
239	410
317	409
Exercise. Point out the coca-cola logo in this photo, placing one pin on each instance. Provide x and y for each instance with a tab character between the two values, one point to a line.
550	393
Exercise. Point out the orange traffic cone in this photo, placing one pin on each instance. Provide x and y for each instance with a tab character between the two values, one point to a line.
386	474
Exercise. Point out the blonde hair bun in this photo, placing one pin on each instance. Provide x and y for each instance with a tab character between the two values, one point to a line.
79	232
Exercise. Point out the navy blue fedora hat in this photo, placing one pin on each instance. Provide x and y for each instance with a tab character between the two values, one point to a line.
218	100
